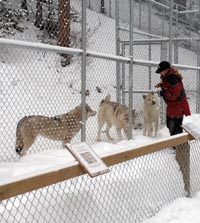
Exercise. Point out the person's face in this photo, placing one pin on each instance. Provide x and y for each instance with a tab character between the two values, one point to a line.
162	73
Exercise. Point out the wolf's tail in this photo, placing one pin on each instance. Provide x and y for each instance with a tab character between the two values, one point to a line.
19	139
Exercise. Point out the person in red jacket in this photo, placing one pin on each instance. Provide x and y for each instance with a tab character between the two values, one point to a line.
173	93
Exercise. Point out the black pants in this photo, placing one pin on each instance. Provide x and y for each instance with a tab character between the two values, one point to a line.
174	125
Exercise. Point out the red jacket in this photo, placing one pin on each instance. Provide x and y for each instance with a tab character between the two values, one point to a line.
174	95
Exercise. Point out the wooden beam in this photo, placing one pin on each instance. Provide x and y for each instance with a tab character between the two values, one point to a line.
39	181
33	183
147	149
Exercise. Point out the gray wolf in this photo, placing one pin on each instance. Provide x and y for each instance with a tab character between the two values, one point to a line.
63	127
113	114
151	114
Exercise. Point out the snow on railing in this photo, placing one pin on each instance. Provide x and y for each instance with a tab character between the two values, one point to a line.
79	52
73	169
40	46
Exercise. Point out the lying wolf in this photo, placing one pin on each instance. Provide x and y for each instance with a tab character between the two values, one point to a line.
63	127
151	114
113	113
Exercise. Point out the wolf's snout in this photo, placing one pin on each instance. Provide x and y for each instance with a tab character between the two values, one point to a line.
18	150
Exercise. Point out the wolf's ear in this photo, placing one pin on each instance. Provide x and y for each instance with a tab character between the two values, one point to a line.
108	97
134	113
77	110
144	96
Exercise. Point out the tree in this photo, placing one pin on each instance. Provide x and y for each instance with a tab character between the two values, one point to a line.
64	29
102	10
182	3
24	5
38	17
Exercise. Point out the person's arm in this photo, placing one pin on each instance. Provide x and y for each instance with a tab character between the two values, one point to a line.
174	93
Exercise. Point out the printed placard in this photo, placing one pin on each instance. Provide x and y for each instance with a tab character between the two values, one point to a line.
192	129
88	159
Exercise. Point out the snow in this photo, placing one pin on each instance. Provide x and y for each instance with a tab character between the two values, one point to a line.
183	210
39	46
54	159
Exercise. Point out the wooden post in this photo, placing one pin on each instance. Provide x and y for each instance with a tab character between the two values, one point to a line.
183	159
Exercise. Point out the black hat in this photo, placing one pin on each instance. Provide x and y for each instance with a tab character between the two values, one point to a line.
164	65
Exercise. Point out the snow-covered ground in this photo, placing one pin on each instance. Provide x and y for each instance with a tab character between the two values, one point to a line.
49	160
52	160
35	83
182	210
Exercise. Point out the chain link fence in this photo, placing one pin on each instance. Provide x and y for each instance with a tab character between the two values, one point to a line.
132	192
46	81
160	36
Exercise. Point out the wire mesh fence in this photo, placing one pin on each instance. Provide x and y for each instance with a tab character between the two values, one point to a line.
29	89
38	82
48	83
131	192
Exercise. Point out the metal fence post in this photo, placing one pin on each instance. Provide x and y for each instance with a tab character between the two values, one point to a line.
131	71
118	78
198	72
176	19
176	34
123	75
163	53
83	71
89	4
110	9
183	159
163	57
163	19
140	14
198	85
149	31
170	30
176	52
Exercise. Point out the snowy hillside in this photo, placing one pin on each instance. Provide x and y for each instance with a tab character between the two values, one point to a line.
34	83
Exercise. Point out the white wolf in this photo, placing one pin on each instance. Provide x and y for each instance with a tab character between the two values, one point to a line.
151	114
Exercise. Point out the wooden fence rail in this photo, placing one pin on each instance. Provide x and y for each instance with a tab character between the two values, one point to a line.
33	183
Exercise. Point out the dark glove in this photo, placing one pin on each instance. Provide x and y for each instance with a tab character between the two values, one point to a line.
161	93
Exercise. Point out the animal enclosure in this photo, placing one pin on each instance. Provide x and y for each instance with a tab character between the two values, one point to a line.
53	60
65	195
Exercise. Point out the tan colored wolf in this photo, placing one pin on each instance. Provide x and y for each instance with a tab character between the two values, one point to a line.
113	113
63	127
151	114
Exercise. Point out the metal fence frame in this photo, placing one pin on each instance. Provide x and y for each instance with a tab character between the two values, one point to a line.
152	39
21	190
21	187
119	59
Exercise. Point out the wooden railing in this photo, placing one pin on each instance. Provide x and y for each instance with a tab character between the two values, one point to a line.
33	183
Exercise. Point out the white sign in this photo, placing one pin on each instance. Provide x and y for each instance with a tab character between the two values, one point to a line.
88	159
192	129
